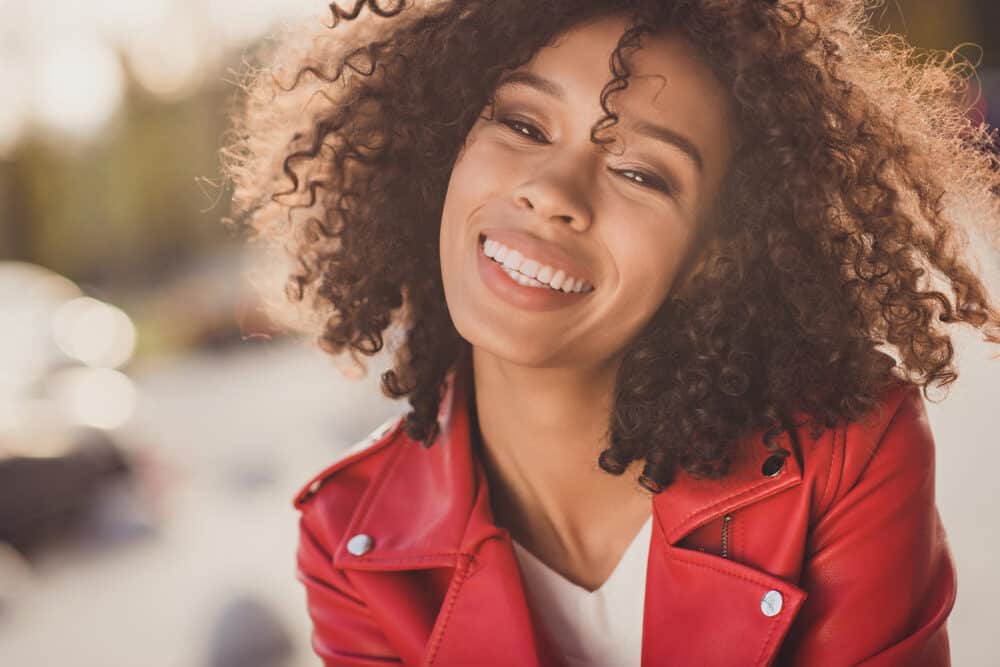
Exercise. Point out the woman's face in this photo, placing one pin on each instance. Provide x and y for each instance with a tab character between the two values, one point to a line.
618	222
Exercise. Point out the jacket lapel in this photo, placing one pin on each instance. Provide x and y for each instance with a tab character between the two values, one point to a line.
430	508
702	608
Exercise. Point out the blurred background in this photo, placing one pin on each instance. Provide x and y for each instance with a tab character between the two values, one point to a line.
154	426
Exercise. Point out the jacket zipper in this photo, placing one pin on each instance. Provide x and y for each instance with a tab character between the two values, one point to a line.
725	535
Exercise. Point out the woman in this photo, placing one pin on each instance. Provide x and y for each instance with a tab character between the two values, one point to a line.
671	277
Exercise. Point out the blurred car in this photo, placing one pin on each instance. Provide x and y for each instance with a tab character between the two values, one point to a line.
62	396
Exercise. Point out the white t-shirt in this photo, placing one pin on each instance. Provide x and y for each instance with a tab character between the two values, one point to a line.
592	628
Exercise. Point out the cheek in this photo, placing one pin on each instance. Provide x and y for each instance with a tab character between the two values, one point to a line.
468	189
476	178
648	262
471	180
457	201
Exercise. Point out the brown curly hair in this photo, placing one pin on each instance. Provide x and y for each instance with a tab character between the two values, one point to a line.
834	263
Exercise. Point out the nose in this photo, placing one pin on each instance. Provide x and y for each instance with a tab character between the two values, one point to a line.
557	192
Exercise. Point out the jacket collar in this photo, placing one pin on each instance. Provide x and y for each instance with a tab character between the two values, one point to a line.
430	507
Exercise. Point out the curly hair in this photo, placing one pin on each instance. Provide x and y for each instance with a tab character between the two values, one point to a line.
834	263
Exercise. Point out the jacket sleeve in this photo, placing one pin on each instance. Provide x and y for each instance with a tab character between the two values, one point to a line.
879	572
344	632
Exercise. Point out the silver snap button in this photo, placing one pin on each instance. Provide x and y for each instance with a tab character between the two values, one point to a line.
770	604
360	544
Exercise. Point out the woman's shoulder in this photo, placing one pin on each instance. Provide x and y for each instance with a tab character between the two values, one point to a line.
355	464
892	439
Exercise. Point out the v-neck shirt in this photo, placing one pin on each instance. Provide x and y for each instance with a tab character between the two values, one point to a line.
592	628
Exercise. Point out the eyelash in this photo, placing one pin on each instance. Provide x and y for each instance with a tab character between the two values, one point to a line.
652	181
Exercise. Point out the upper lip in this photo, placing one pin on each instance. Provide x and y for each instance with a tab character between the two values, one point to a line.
543	252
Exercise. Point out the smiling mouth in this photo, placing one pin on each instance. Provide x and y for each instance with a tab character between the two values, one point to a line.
530	272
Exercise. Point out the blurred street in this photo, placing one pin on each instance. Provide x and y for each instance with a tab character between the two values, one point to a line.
242	432
239	434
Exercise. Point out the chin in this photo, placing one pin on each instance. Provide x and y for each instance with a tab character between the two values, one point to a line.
522	350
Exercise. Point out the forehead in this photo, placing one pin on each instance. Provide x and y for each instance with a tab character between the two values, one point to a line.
669	82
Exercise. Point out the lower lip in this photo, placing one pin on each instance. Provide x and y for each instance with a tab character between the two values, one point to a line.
521	296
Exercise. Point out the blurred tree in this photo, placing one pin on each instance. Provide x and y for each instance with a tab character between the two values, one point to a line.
15	237
944	24
125	208
988	14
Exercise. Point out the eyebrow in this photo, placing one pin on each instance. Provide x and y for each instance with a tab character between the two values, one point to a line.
645	128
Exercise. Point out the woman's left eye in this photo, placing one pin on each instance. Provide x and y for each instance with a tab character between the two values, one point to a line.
645	179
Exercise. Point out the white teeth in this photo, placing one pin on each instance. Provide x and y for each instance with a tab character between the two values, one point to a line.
558	279
529	268
525	271
513	259
524	280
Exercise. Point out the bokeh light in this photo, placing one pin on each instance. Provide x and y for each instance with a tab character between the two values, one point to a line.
29	294
94	332
98	397
14	110
80	84
61	62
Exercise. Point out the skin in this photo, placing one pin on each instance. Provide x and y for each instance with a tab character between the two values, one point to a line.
544	380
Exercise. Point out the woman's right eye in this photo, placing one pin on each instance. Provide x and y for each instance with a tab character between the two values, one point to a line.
515	125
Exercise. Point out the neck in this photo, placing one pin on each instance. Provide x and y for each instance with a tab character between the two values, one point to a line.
541	431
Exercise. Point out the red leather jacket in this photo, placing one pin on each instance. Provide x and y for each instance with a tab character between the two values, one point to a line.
836	557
